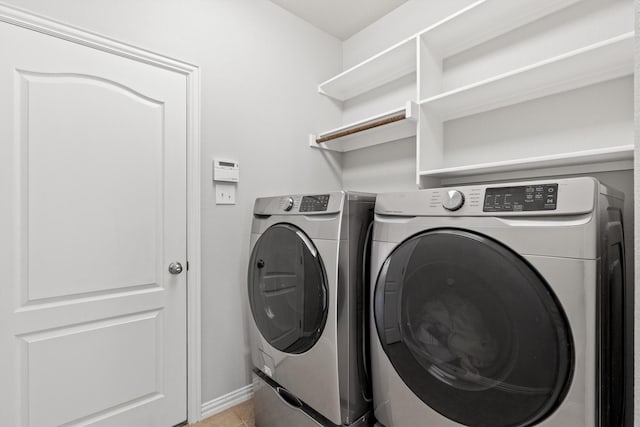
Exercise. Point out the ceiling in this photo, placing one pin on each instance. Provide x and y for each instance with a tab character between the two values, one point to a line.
340	18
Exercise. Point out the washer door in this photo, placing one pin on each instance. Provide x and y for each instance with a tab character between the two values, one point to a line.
473	330
287	289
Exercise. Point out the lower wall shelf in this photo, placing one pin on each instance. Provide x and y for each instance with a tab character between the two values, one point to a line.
600	155
390	126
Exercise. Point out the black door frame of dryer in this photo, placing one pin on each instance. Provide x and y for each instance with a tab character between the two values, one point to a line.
473	330
288	291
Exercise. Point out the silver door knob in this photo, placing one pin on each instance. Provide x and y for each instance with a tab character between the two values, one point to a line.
175	268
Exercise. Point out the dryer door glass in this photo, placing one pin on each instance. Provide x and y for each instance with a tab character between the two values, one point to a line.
287	289
473	330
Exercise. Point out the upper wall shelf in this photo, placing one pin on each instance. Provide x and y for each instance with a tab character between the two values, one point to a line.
599	62
391	64
466	28
389	126
484	20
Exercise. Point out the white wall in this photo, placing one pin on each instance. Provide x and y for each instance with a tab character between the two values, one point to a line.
401	23
260	69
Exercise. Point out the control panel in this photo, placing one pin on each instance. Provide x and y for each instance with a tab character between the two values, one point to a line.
314	203
226	171
304	204
562	196
541	197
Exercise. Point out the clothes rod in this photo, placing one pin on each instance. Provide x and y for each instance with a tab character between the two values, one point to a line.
365	126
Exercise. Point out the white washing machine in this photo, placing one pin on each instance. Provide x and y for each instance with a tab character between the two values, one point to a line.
307	297
499	305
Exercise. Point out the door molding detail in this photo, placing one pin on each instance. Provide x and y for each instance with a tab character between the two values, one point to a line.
30	21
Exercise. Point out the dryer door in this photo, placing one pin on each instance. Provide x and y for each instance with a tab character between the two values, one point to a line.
473	330
287	289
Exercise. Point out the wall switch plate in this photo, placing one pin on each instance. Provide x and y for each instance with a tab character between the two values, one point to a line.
225	194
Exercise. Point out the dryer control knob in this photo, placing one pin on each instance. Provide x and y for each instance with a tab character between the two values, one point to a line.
288	205
453	200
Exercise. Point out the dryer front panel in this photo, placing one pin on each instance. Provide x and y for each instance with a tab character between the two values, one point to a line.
473	330
288	291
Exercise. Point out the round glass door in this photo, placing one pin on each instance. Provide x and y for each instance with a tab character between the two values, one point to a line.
473	330
287	289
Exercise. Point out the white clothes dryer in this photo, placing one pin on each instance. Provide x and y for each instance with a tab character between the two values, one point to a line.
499	305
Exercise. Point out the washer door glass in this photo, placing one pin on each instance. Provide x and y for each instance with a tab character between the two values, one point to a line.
473	330
287	289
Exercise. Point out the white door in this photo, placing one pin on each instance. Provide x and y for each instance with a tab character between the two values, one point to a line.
92	212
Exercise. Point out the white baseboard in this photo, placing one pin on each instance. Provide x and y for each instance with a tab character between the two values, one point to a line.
221	403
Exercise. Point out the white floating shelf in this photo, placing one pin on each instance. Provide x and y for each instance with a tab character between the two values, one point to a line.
388	65
475	24
599	62
600	155
390	126
484	20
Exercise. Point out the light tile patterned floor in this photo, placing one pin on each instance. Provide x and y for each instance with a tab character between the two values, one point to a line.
238	416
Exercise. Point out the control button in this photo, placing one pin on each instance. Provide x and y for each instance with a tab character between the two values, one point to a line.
288	204
550	190
453	200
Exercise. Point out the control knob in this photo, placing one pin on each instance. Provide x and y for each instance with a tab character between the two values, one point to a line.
288	204
453	200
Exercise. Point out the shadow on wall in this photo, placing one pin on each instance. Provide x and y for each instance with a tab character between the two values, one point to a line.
381	168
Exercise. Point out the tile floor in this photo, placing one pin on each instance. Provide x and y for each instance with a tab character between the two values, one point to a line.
237	416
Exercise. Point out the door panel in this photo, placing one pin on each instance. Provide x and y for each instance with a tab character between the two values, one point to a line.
93	174
102	216
120	358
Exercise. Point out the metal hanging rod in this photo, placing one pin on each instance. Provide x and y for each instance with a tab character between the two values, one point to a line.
395	117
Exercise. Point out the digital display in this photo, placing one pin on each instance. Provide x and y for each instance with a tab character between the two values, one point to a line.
314	203
227	164
542	197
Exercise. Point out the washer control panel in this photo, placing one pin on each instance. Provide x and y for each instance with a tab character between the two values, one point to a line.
560	196
302	204
541	197
317	203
